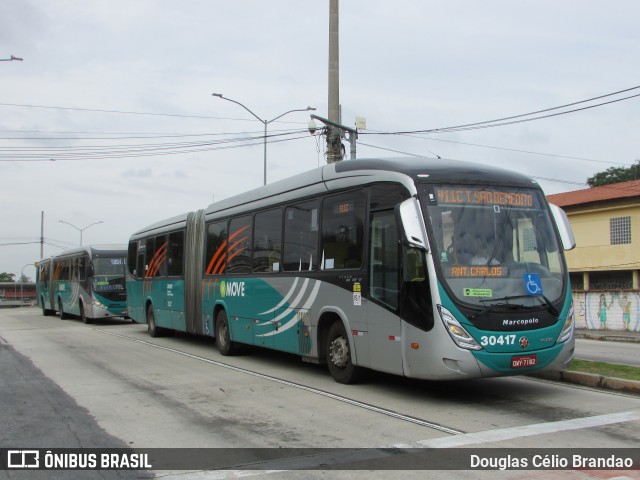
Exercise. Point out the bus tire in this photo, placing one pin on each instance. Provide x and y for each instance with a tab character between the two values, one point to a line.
339	361
83	314
223	335
61	310
45	312
152	328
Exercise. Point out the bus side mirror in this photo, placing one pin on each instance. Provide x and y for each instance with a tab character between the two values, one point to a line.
409	217
564	227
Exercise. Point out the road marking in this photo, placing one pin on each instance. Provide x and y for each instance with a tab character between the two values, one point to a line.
502	434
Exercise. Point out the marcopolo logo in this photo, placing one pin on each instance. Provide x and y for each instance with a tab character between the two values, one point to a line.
231	289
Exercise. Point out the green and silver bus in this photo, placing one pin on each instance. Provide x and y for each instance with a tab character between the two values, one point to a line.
426	268
88	282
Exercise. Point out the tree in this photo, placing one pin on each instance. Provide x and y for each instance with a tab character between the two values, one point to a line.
615	175
6	277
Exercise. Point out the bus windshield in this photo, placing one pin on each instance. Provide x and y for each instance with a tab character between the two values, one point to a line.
494	246
108	274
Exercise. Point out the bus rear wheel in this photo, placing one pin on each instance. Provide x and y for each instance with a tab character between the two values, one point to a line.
152	328
223	335
339	358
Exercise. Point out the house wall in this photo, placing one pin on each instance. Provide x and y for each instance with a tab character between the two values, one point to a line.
611	310
594	251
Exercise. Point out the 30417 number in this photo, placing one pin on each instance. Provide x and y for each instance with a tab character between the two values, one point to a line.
492	340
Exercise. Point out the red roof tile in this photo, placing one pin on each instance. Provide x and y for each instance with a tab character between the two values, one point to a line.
615	191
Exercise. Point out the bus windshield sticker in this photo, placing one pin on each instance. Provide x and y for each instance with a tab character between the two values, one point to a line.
478	292
532	284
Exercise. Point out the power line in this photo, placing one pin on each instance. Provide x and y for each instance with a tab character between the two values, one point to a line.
510	120
512	149
103	153
581	184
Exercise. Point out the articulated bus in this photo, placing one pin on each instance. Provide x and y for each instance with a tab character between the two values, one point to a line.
88	282
425	268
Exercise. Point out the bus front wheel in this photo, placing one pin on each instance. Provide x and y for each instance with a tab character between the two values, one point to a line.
83	314
339	357
61	310
45	311
223	335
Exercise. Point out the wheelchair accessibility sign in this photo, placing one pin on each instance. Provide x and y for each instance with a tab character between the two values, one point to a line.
532	284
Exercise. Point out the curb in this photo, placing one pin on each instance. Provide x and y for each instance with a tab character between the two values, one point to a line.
608	335
592	380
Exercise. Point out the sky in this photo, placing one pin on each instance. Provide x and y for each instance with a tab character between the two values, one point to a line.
110	116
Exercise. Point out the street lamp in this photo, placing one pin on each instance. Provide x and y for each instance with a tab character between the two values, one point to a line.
81	229
265	122
10	59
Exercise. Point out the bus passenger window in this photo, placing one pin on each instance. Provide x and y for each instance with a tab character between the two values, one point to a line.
239	259
301	237
175	255
343	231
267	240
216	254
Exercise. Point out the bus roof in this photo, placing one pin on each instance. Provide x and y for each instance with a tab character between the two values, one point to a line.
352	173
107	250
363	171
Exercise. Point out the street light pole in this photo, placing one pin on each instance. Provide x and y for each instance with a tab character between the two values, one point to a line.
81	229
11	59
264	122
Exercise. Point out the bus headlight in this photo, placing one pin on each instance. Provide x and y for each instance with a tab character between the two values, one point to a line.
567	328
99	305
459	335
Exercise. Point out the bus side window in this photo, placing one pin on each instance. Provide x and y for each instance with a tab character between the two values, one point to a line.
131	257
267	240
239	249
301	237
343	230
175	255
216	252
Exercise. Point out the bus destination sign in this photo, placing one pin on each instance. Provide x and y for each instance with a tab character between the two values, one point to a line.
471	196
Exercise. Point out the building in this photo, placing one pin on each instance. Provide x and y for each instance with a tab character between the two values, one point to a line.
605	265
14	294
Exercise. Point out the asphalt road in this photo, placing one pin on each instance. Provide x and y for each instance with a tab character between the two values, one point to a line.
613	352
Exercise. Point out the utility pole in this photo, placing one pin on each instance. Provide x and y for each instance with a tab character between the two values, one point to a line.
42	234
334	146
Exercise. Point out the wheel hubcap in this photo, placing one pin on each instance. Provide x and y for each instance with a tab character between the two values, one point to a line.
339	352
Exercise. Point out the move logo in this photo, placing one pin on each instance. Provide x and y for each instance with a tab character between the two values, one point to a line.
231	289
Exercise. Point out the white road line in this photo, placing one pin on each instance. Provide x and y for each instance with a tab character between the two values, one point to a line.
502	434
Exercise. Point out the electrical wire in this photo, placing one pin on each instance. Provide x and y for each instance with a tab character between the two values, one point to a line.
128	151
498	122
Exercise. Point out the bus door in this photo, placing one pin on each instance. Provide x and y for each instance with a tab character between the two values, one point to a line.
384	324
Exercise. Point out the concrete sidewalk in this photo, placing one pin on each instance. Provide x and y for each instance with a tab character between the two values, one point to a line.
594	380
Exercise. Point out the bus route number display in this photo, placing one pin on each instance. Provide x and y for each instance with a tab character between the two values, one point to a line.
470	196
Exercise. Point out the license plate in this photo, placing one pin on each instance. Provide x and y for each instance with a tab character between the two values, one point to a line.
523	361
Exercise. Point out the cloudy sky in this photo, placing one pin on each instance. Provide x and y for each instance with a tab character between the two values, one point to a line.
110	116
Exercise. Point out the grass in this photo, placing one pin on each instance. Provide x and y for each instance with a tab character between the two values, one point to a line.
605	369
